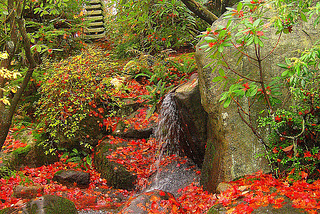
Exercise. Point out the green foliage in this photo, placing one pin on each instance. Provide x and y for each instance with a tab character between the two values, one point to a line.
76	156
160	73
78	96
293	148
152	26
56	26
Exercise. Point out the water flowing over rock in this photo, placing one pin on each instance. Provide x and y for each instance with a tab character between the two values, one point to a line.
174	177
231	146
182	122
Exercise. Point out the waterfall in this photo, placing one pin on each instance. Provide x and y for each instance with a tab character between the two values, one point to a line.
169	130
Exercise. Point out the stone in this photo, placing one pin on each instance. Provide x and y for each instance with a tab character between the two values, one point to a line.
51	204
22	191
232	148
156	201
72	177
174	177
141	127
117	175
223	186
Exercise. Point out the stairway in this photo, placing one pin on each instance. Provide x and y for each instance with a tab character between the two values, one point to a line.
94	13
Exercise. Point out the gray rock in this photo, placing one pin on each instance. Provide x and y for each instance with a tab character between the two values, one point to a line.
71	177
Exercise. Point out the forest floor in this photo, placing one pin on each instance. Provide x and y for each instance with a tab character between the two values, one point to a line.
243	195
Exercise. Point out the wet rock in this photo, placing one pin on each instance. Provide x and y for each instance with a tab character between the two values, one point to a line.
286	208
71	178
51	204
182	122
136	125
31	155
117	175
156	201
174	177
21	191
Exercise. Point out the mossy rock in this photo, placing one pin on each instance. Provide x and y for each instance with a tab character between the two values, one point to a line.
51	204
117	175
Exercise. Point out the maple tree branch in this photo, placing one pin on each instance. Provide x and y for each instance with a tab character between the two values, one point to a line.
235	72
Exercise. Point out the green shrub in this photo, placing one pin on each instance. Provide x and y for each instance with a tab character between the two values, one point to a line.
78	98
153	26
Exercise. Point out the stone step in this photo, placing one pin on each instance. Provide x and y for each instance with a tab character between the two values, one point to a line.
92	2
94	12
94	18
96	24
93	7
95	36
94	30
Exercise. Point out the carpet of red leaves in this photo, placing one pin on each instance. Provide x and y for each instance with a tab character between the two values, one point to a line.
139	157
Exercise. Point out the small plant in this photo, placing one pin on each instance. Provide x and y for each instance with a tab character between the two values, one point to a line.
77	156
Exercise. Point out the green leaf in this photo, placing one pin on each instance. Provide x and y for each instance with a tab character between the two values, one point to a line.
217	79
208	38
256	23
303	17
285	73
221	72
282	65
220	48
239	7
256	40
227	102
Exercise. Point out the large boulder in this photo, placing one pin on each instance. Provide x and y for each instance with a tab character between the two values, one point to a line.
231	146
47	204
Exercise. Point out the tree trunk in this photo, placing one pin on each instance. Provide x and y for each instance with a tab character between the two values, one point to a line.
200	11
7	114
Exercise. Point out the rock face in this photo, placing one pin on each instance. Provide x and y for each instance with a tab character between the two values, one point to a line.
71	177
231	146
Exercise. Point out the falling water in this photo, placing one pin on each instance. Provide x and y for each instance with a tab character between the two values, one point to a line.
169	129
174	137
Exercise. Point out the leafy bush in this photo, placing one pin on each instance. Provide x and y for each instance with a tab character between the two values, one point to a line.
56	27
78	97
295	145
153	26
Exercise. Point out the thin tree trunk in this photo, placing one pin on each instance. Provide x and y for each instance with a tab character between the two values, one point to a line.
7	114
200	11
